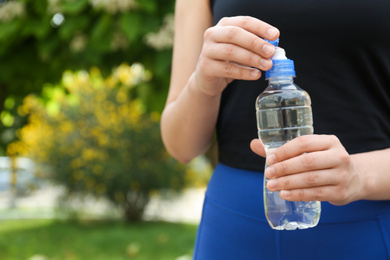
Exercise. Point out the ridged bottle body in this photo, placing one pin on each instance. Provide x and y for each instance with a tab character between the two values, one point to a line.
283	112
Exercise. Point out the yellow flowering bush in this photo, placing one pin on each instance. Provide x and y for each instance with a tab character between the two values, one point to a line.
99	139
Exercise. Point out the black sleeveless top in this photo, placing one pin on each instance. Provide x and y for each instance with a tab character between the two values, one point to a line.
341	51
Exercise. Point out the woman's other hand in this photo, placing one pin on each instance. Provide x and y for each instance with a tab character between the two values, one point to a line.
312	167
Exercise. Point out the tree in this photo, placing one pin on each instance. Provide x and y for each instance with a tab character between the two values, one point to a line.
39	39
98	139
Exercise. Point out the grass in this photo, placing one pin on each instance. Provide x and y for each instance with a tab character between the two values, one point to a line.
97	240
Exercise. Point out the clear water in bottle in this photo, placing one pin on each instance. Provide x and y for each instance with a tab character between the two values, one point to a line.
282	116
283	112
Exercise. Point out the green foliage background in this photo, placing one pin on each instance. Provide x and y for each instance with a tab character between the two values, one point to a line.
42	44
99	140
35	51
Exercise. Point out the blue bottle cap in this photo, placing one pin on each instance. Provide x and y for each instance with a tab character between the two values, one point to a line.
274	43
281	68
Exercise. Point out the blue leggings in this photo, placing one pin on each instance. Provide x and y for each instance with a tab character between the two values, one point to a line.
234	226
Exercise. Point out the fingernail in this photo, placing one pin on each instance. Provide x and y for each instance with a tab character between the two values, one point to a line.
286	193
272	183
265	63
268	49
255	73
271	159
271	32
270	172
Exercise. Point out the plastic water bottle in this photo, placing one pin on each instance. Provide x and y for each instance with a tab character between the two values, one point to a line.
283	112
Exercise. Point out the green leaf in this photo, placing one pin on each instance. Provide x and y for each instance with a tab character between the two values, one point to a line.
150	25
36	28
49	46
148	5
101	27
101	34
39	5
7	118
74	7
131	25
10	29
73	25
9	103
163	62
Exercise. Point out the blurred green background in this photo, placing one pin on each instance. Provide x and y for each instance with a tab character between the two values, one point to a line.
83	172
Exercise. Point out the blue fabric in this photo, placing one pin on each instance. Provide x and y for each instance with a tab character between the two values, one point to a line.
234	226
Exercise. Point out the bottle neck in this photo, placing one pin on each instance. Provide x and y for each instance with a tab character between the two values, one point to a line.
281	80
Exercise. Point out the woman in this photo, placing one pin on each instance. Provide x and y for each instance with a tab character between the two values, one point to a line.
341	51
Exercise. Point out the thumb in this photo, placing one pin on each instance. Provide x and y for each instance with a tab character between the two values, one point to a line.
258	147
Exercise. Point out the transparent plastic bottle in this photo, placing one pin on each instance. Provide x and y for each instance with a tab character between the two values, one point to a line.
283	112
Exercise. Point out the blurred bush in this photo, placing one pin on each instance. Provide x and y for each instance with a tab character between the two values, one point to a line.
40	39
98	139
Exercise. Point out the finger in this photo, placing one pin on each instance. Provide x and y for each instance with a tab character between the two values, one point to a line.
323	193
233	53
257	147
231	70
240	37
303	181
300	145
303	163
312	194
252	25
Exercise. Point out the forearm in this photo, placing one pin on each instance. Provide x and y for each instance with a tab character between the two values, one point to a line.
374	169
188	123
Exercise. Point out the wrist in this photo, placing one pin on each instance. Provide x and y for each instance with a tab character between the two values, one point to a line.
363	184
372	181
206	88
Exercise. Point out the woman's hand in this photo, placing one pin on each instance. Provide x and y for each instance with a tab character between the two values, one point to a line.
234	49
312	167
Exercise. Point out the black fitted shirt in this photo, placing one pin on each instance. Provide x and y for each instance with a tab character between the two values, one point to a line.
341	51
